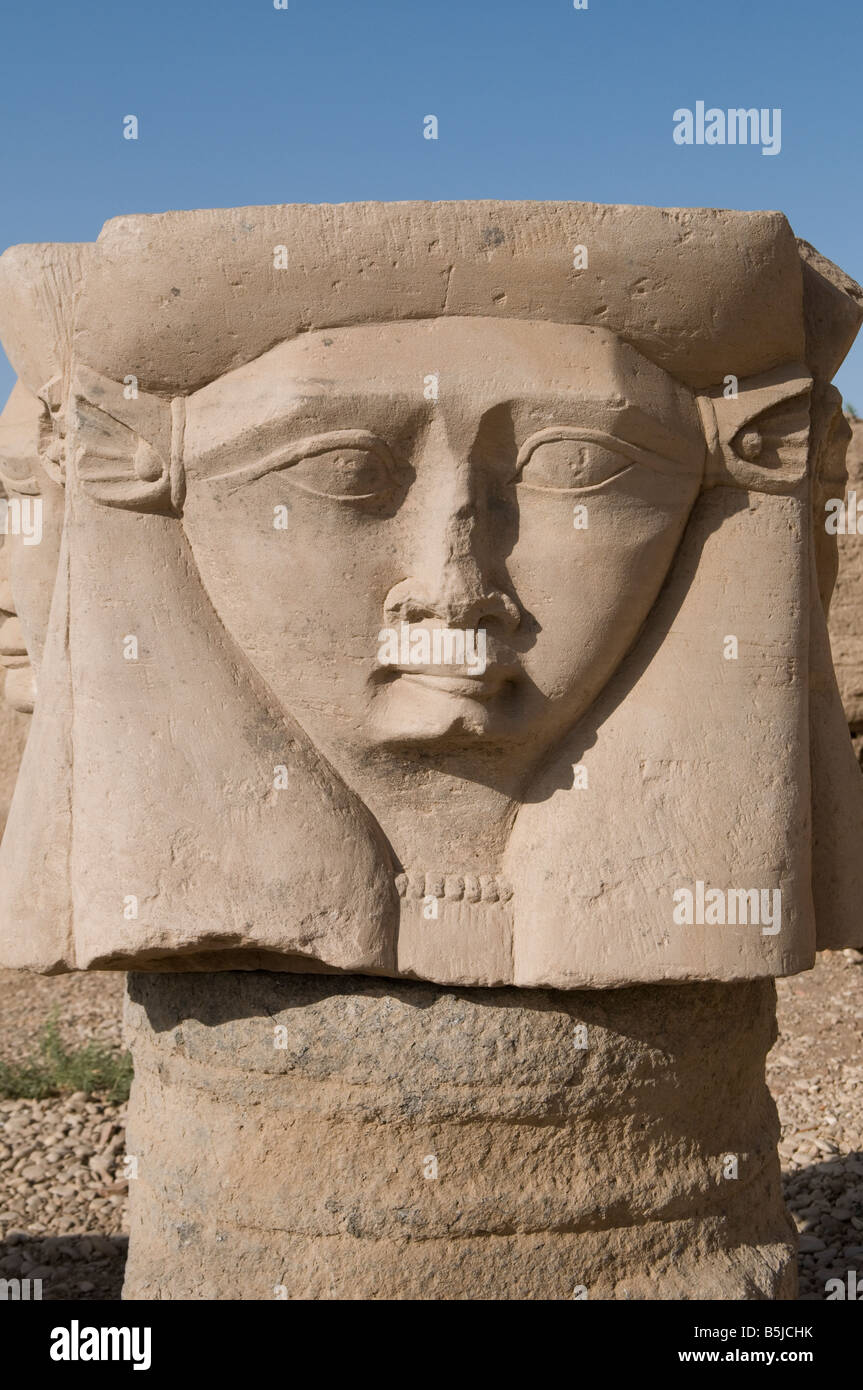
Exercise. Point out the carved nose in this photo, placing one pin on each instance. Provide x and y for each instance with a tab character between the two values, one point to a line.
455	592
453	604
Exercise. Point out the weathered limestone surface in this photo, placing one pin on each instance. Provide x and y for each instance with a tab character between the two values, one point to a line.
298	1172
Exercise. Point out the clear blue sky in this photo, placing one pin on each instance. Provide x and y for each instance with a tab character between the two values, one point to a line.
241	103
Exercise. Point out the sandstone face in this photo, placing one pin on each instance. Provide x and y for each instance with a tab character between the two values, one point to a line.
300	1137
18	691
419	599
14	728
846	607
431	599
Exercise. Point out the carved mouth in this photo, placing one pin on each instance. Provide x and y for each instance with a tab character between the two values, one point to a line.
460	683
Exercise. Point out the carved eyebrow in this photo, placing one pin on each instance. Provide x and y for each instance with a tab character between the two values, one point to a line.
609	441
287	454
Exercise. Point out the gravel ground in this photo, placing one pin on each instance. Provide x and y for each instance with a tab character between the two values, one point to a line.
63	1195
815	1072
89	1008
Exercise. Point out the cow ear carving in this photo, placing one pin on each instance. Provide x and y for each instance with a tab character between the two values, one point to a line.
758	439
122	446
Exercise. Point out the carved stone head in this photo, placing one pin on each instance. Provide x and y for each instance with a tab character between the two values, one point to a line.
432	602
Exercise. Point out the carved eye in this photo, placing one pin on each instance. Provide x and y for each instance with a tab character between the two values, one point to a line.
346	474
346	465
557	462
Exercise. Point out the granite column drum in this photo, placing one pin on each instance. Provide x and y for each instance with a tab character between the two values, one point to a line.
305	1137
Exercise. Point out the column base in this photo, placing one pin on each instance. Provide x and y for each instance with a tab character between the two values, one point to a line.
401	1140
